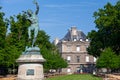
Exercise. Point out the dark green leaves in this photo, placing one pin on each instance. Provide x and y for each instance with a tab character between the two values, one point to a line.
108	59
107	22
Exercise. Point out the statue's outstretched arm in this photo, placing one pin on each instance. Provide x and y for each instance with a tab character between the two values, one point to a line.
37	7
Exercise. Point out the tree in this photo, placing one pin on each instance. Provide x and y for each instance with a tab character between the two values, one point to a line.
15	42
50	52
107	22
3	30
53	61
18	35
108	59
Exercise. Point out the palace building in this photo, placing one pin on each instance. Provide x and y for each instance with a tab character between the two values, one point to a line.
73	48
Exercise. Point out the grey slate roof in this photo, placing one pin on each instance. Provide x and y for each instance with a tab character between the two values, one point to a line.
70	37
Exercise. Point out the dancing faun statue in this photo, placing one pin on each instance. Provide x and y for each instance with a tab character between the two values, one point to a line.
33	18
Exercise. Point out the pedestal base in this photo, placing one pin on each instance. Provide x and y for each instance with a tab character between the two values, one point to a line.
30	67
31	71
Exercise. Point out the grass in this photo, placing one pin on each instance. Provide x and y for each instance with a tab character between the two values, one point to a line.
75	77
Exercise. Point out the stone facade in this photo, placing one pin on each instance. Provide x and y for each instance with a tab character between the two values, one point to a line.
73	48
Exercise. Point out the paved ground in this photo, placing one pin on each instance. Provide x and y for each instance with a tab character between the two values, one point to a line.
111	77
9	77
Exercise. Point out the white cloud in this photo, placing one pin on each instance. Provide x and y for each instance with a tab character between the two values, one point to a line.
61	6
82	4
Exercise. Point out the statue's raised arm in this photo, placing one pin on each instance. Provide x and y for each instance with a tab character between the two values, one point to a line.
37	7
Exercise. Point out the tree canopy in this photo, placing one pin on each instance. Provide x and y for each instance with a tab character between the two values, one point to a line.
108	59
107	22
14	43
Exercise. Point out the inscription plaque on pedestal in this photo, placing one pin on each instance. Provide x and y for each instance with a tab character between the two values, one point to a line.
30	72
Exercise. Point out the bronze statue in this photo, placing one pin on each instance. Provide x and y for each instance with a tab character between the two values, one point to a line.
33	18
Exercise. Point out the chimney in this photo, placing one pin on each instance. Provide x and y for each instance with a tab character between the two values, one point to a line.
73	30
56	41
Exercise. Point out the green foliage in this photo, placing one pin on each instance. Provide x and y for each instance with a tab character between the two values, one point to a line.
18	35
107	22
108	59
15	42
53	60
49	52
3	29
43	40
10	55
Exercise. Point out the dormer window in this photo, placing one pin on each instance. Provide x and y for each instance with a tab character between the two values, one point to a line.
87	40
74	39
81	40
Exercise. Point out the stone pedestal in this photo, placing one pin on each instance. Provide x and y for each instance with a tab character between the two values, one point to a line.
30	66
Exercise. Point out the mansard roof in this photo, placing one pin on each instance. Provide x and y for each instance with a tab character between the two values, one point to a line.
78	35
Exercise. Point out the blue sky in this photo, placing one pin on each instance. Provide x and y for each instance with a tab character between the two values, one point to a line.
57	16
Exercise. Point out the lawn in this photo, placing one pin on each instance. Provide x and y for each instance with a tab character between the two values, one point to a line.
75	77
